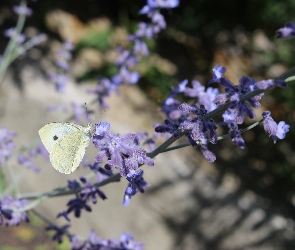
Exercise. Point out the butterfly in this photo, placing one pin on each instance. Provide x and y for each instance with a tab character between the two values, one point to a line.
66	144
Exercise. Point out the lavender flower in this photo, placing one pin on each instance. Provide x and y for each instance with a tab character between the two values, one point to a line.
90	191
4	214
12	32
197	125
22	10
73	185
218	71
122	152
136	183
170	108
127	242
27	162
164	4
101	173
103	90
170	127
63	214
80	112
267	84
287	32
60	82
64	55
236	135
6	144
129	59
240	109
272	128
76	205
59	232
94	242
12	210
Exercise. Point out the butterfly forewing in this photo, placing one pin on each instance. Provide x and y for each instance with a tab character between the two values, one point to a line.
51	133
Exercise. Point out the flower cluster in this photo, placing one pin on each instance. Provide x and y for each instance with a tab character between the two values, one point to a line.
287	32
136	183
88	193
94	242
6	144
121	152
200	128
11	209
62	63
128	59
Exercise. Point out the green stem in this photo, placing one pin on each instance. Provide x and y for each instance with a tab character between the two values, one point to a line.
8	54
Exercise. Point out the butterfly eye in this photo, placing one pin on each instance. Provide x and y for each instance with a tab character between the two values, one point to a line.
55	137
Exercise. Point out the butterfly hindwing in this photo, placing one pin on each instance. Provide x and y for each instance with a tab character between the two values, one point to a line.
68	152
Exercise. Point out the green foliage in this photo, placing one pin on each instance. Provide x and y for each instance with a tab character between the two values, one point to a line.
96	40
156	83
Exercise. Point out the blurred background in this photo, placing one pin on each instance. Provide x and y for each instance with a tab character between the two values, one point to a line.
246	199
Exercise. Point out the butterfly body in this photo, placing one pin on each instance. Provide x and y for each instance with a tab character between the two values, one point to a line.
66	144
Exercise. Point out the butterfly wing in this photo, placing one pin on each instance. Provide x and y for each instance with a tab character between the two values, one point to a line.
53	132
68	152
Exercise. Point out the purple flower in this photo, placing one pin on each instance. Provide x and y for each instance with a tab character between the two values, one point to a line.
13	210
136	183
60	81
4	214
209	156
101	173
103	90
197	126
126	76
76	205
27	162
286	32
59	232
65	215
204	97
127	241
233	93
181	87
22	10
57	108
94	242
80	112
165	4
64	55
196	90
140	47
170	108
282	129
236	136
73	185
122	152
218	74
170	127
127	58
6	144
272	128
90	191
19	38
266	84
